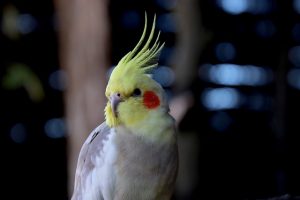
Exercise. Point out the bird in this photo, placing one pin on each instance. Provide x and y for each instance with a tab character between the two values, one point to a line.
133	154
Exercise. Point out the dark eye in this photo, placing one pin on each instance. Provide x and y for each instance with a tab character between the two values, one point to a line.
136	92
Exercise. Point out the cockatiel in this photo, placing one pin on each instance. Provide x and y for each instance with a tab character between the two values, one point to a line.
133	154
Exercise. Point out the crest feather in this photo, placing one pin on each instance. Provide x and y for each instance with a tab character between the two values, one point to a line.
145	58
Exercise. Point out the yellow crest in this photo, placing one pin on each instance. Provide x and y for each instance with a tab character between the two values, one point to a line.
141	59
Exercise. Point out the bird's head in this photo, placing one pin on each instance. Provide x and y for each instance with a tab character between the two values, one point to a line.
132	94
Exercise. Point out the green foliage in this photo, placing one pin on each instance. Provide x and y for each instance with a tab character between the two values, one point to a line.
19	75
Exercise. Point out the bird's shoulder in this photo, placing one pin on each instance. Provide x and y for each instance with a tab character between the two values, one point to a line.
93	145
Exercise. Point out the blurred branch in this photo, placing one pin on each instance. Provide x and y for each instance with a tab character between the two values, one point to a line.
84	47
191	40
282	197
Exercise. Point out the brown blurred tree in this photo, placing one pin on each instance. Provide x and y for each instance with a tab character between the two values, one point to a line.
192	38
83	32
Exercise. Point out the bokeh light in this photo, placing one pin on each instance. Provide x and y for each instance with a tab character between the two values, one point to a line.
55	128
18	133
221	98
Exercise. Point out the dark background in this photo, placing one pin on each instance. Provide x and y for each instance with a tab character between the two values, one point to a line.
249	146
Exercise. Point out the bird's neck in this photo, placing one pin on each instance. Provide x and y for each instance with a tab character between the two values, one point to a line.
156	126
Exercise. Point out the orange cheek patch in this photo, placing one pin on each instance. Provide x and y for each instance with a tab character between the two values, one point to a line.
151	100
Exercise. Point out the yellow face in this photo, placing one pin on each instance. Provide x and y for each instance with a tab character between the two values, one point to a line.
130	99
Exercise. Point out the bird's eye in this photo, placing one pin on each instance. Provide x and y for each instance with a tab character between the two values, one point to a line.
136	92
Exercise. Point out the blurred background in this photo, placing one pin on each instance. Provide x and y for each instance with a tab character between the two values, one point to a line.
230	68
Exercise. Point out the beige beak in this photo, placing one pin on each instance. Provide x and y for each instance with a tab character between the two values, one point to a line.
115	99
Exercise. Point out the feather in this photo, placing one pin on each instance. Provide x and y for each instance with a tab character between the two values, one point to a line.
92	147
142	58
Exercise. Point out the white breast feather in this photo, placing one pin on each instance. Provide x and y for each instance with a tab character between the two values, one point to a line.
101	180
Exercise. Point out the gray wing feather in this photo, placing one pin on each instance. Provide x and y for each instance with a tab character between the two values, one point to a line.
92	146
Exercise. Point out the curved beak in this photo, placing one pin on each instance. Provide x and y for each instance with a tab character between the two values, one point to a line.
115	99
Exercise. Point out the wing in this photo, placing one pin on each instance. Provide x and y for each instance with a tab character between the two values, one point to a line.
89	150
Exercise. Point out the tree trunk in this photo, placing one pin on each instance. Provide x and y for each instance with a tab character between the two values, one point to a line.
84	45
